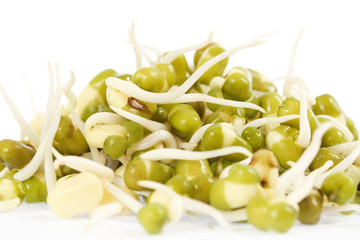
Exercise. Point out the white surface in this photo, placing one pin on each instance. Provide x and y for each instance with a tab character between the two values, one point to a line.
87	36
37	222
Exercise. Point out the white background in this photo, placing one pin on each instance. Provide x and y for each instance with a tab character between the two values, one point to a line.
89	36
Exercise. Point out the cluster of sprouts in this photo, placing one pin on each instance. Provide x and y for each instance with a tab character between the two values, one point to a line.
176	138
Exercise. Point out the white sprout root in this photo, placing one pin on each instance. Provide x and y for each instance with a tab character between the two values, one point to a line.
290	91
197	136
138	49
199	97
167	153
85	165
340	167
124	160
6	205
235	215
132	89
304	94
338	124
4	171
95	154
135	46
293	54
102	212
72	103
102	118
151	140
97	119
146	123
296	171
225	171
30	95
24	126
36	161
191	204
119	181
305	132
307	185
171	55
342	208
133	204
262	121
53	115
345	148
70	95
51	123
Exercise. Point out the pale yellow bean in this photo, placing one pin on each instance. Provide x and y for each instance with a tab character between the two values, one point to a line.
75	195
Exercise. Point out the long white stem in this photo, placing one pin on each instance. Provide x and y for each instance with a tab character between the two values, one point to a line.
288	89
151	140
139	48
133	43
153	49
49	105
9	204
345	148
167	153
100	125
288	177
30	94
342	208
171	55
124	198
304	125
298	195
146	123
80	124
340	167
293	54
58	92
55	115
72	102
268	120
135	91
197	136
38	158
124	160
103	211
190	204
102	118
340	125
2	172
225	171
119	181
82	164
70	95
49	170
200	97
24	126
235	215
